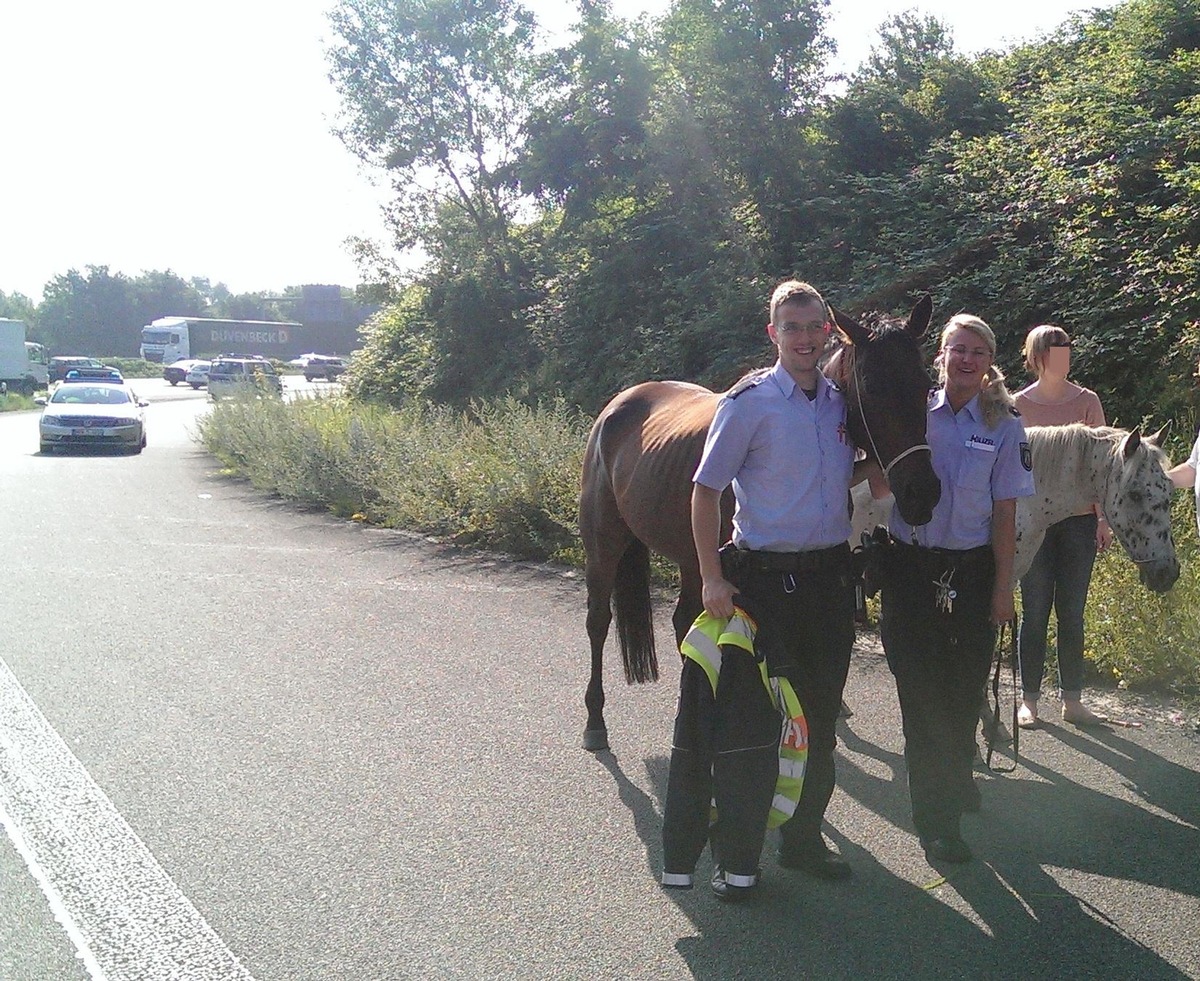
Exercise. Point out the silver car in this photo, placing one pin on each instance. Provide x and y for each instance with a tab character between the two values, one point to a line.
235	376
197	375
84	413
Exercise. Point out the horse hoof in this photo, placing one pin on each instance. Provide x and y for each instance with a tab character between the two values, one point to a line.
595	740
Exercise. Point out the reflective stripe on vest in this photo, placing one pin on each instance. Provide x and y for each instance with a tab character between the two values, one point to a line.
703	644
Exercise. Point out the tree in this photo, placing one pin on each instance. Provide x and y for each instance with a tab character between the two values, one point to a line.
913	90
17	306
588	140
436	92
748	76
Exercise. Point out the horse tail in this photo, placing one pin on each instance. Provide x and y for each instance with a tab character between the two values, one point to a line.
634	615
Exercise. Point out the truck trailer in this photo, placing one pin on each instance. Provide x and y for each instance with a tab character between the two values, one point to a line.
168	339
23	365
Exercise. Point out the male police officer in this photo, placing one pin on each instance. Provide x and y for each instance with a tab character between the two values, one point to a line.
779	437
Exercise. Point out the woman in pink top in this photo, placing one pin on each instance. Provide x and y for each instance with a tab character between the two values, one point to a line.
1062	568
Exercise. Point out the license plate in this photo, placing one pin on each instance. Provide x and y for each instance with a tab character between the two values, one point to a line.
80	432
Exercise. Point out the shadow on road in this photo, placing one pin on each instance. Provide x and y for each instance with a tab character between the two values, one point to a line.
1053	892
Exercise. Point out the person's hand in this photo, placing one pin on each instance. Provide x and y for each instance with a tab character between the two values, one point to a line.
1003	607
717	595
1104	536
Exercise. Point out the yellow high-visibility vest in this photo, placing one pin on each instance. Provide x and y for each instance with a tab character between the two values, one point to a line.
703	644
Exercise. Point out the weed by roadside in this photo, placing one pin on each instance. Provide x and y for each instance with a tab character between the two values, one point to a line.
501	475
12	402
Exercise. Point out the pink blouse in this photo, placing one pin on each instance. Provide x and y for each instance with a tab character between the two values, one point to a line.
1083	407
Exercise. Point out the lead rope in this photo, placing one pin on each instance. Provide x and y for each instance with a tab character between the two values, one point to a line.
992	730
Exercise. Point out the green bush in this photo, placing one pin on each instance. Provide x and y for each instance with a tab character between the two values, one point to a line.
135	367
1137	637
14	402
500	475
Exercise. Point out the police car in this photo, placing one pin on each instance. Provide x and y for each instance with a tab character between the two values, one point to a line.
92	407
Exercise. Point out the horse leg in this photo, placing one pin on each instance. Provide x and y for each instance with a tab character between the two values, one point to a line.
606	539
599	582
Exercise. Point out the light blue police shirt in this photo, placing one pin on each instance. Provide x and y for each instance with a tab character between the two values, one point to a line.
976	466
789	461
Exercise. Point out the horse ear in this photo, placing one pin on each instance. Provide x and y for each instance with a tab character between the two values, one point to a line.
922	313
1130	444
1156	438
853	331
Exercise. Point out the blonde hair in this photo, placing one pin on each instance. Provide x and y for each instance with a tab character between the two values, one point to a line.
995	400
794	291
1039	340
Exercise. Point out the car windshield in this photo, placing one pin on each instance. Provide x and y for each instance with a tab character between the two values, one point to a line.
89	395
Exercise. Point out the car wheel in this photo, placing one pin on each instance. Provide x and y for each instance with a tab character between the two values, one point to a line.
174	382
195	387
47	448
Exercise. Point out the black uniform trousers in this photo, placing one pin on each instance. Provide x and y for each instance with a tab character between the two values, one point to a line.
805	631
725	752
940	659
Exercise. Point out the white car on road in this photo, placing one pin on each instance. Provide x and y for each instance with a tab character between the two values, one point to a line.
197	375
85	413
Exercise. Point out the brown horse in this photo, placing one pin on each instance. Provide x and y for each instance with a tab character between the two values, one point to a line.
645	446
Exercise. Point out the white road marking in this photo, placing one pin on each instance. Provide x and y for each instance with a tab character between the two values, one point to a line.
125	916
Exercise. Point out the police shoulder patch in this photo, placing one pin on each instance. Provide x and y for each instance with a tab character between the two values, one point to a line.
747	382
1026	456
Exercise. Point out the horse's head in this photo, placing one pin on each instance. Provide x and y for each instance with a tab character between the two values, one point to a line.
1137	503
883	374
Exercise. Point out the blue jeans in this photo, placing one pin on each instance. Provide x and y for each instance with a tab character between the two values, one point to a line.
1058	577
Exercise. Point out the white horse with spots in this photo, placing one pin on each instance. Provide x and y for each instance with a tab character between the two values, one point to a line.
1074	466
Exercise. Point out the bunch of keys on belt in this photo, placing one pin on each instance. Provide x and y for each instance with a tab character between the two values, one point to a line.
945	595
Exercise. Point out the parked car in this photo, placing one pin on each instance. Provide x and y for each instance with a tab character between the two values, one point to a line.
242	376
177	371
82	412
321	366
198	375
59	367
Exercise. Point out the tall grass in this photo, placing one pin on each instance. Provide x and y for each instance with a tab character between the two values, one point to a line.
1139	637
14	402
502	475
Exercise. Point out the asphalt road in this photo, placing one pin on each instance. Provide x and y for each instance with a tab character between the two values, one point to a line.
239	739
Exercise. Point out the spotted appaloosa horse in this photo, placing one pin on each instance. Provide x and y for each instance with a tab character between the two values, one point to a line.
1074	466
637	482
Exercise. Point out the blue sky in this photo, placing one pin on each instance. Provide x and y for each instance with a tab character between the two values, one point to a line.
147	135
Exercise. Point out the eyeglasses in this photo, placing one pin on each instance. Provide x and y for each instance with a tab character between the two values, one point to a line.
788	328
962	351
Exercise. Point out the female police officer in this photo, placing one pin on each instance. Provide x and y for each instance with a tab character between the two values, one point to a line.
779	437
950	582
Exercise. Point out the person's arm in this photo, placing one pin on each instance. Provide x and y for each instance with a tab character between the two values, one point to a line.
717	592
1004	550
1183	475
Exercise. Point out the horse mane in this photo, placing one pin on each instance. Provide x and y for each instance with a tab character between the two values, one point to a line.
1065	449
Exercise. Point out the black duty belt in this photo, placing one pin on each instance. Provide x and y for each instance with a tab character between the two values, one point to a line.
812	560
947	558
